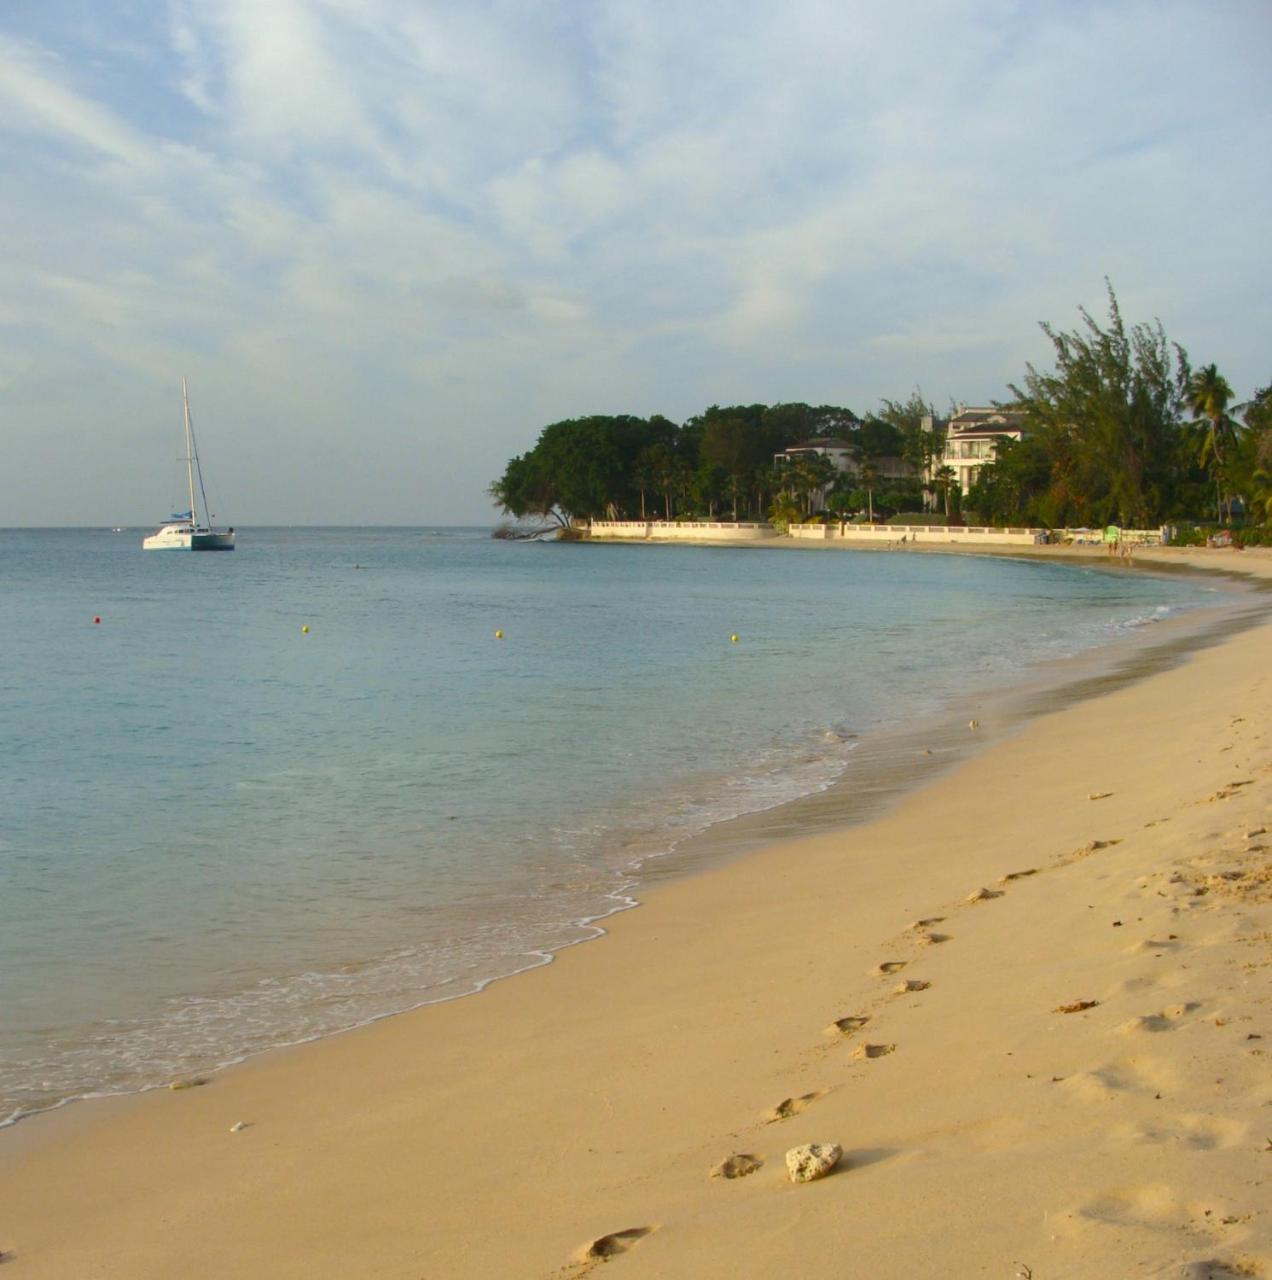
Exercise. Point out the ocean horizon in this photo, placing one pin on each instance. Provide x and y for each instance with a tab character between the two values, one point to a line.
222	832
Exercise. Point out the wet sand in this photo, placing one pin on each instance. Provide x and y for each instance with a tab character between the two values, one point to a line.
1030	1002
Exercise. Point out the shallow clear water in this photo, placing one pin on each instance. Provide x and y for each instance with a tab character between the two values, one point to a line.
218	833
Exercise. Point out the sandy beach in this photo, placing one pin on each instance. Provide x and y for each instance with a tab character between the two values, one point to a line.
1030	1004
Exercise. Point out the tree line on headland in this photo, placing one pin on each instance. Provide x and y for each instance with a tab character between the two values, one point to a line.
1123	430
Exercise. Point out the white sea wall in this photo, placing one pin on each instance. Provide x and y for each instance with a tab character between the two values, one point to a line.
883	535
681	530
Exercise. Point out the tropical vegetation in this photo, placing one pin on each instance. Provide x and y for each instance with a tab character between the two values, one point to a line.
1121	430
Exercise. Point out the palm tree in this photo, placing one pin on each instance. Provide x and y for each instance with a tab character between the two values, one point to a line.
784	511
1261	498
816	473
840	502
1208	397
944	478
869	474
645	475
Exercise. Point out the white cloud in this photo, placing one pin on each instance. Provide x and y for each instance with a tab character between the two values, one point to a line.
416	217
36	100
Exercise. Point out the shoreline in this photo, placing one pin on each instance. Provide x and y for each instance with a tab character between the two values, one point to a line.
892	762
171	1155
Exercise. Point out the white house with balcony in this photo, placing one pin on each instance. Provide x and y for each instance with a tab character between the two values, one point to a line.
971	440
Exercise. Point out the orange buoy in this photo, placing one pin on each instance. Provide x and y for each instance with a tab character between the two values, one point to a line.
96	621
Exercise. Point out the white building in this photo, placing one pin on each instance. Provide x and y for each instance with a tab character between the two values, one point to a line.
971	440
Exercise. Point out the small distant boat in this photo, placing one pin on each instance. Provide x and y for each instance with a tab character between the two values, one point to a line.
190	530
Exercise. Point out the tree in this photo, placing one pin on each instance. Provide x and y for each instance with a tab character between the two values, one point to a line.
922	434
944	478
581	468
1251	469
526	489
1109	418
734	445
1012	489
1208	397
783	511
869	475
811	474
842	503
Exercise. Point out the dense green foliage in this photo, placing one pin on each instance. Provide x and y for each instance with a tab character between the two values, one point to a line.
1109	439
721	460
1121	431
1106	442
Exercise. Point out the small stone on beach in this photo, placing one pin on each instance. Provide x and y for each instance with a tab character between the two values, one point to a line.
238	1126
812	1161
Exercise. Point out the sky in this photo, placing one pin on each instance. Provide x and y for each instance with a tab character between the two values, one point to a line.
388	241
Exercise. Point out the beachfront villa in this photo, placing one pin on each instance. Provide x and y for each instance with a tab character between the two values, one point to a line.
842	454
971	440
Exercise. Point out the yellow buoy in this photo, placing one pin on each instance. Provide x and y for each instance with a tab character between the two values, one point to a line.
498	635
304	630
733	639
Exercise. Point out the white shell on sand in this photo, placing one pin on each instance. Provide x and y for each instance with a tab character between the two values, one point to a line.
812	1161
238	1126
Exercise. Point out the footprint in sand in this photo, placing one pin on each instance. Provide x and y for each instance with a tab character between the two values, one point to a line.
1091	846
983	895
932	939
1138	1075
605	1247
863	1052
1153	944
926	924
738	1165
846	1026
1146	1022
1199	1132
789	1107
1017	875
1167	1020
1136	1206
887	967
908	985
1217	1269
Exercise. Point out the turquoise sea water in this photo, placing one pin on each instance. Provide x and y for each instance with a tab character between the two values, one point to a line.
218	833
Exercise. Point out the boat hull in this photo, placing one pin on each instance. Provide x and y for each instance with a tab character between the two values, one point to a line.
188	541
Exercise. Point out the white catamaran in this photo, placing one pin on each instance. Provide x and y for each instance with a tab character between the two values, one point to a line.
185	530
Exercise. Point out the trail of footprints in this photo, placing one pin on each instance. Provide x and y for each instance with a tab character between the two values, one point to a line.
1199	1131
743	1164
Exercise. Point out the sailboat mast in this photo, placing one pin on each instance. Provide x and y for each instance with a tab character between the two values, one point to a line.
185	400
